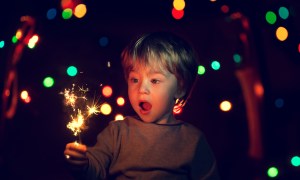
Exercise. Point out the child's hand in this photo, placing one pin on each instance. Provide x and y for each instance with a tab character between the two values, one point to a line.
76	154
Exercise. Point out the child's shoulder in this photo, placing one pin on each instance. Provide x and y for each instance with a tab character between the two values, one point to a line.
125	122
191	128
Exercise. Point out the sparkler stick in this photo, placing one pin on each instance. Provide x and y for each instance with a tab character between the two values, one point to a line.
81	111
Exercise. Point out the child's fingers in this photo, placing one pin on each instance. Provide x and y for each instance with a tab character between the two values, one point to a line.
69	153
76	147
76	153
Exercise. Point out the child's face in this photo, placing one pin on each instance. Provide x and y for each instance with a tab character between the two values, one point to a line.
151	92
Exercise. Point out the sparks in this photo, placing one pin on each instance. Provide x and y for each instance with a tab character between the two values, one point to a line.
93	110
77	100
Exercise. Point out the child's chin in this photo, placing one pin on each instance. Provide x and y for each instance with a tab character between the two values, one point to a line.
144	112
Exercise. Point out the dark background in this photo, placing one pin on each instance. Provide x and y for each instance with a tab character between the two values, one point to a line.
34	139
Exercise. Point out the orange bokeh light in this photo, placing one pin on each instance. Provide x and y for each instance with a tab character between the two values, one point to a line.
107	91
258	89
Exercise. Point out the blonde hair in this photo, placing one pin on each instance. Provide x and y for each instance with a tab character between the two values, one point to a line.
166	50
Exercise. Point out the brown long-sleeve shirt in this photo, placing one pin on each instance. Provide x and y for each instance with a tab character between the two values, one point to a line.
132	149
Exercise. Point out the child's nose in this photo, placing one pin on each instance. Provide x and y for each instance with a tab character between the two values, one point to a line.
144	87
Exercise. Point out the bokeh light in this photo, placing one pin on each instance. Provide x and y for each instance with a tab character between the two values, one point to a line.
72	71
14	39
119	117
177	14
295	161
107	91
48	82
225	9
282	33
279	102
2	43
215	65
51	13
271	17
67	4
103	41
27	100
108	64
32	41
67	13
201	70
258	89
19	34
120	101
105	109
80	10
24	94
272	172
283	12
225	106
237	58
179	4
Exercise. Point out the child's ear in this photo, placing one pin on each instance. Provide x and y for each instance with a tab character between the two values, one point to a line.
180	93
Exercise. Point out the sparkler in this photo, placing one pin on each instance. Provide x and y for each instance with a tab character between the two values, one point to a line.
81	109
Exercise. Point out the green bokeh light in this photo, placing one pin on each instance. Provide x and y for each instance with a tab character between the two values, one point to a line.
67	13
215	65
201	70
72	71
283	12
272	172
271	17
2	43
48	82
237	58
14	39
295	161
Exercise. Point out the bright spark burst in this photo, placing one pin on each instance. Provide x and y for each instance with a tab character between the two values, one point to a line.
78	101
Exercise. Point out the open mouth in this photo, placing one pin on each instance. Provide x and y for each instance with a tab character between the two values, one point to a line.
145	106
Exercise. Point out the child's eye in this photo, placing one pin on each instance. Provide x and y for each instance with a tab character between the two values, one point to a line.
155	81
133	80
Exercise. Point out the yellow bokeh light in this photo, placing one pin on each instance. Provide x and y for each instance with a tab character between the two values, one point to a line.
80	10
119	117
24	94
282	33
179	4
105	109
225	106
19	34
32	41
120	101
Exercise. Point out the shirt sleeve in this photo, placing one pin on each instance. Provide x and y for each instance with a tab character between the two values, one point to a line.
205	167
100	155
